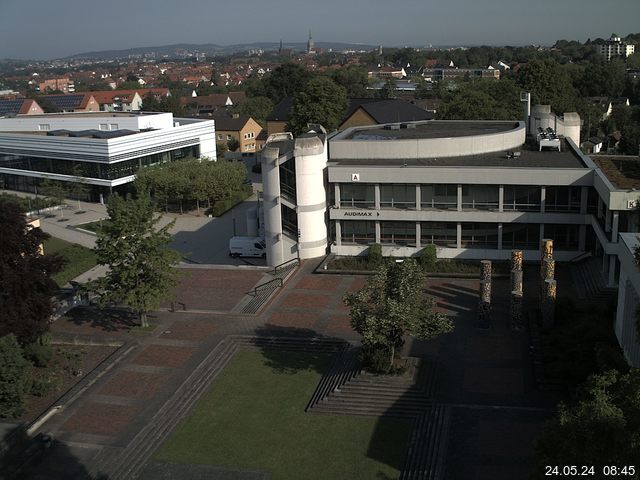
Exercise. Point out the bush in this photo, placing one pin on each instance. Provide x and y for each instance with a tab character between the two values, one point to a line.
222	206
38	353
428	257
375	255
14	377
376	358
43	384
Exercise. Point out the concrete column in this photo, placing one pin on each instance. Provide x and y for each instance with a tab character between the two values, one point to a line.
336	192
501	201
378	231
599	207
376	196
418	197
499	236
338	225
604	261
607	221
582	237
615	220
459	198
541	236
543	198
612	271
459	235
418	233
584	195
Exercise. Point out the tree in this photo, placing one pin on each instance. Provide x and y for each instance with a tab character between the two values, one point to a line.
602	426
482	100
257	108
354	79
54	191
78	187
391	305
14	377
549	84
26	287
321	101
141	267
285	81
233	144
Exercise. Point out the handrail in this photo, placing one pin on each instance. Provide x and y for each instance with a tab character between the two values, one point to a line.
279	280
275	270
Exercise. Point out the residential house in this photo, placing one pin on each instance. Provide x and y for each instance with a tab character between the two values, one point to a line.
369	111
209	104
19	106
244	129
126	100
72	102
65	85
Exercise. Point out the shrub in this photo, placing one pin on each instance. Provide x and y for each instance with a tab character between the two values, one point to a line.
428	257
376	358
375	255
43	384
222	206
38	353
14	377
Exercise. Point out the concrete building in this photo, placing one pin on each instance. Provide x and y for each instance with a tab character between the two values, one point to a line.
615	47
107	149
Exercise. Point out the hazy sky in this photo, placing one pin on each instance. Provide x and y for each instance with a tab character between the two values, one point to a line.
43	29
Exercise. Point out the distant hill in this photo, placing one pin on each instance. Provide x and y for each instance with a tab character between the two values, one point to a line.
211	49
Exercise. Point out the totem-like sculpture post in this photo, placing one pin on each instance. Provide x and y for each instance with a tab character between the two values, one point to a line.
515	309
547	284
484	306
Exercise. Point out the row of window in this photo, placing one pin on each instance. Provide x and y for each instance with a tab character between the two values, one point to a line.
473	235
477	197
106	171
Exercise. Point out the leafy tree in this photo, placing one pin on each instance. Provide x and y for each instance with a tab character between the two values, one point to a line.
602	426
285	81
354	79
53	190
321	101
14	377
141	267
257	108
25	276
482	100
78	187
549	84
391	305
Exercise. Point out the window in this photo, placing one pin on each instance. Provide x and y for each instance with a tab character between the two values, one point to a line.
562	199
358	232
479	235
229	137
521	198
398	233
220	137
565	237
114	126
441	197
444	234
44	127
398	196
480	197
103	126
521	235
357	195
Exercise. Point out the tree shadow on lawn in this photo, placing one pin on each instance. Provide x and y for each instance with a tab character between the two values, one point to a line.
286	356
107	320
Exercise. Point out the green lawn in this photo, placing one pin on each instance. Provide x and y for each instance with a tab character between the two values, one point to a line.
79	259
253	418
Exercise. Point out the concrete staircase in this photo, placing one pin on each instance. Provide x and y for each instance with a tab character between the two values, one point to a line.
590	283
256	299
424	459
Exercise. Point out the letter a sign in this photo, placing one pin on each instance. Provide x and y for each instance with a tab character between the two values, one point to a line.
355	177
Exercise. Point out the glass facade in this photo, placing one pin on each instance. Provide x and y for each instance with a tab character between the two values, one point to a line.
524	236
479	235
480	197
443	234
565	237
398	196
441	197
358	232
521	198
357	195
289	221
398	233
562	199
288	179
103	171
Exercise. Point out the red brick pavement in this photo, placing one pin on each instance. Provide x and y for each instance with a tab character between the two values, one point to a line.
326	283
339	323
134	384
293	319
188	330
214	289
100	419
164	356
307	300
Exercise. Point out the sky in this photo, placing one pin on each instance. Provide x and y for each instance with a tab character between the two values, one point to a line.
45	29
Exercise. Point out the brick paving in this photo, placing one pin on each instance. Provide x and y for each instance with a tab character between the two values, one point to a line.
100	419
164	356
134	384
486	367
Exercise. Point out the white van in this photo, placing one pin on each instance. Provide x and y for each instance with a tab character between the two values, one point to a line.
247	247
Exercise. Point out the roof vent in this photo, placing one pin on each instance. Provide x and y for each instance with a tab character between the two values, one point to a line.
394	126
411	125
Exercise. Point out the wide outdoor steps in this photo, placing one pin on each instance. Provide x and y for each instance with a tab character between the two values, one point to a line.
368	394
261	295
424	459
589	281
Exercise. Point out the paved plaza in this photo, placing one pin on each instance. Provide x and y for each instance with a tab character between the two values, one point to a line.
484	374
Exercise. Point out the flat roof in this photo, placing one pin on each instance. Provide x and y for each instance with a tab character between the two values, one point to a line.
431	129
529	157
622	171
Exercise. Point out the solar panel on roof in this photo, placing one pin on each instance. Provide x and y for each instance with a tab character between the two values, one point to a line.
10	107
65	102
